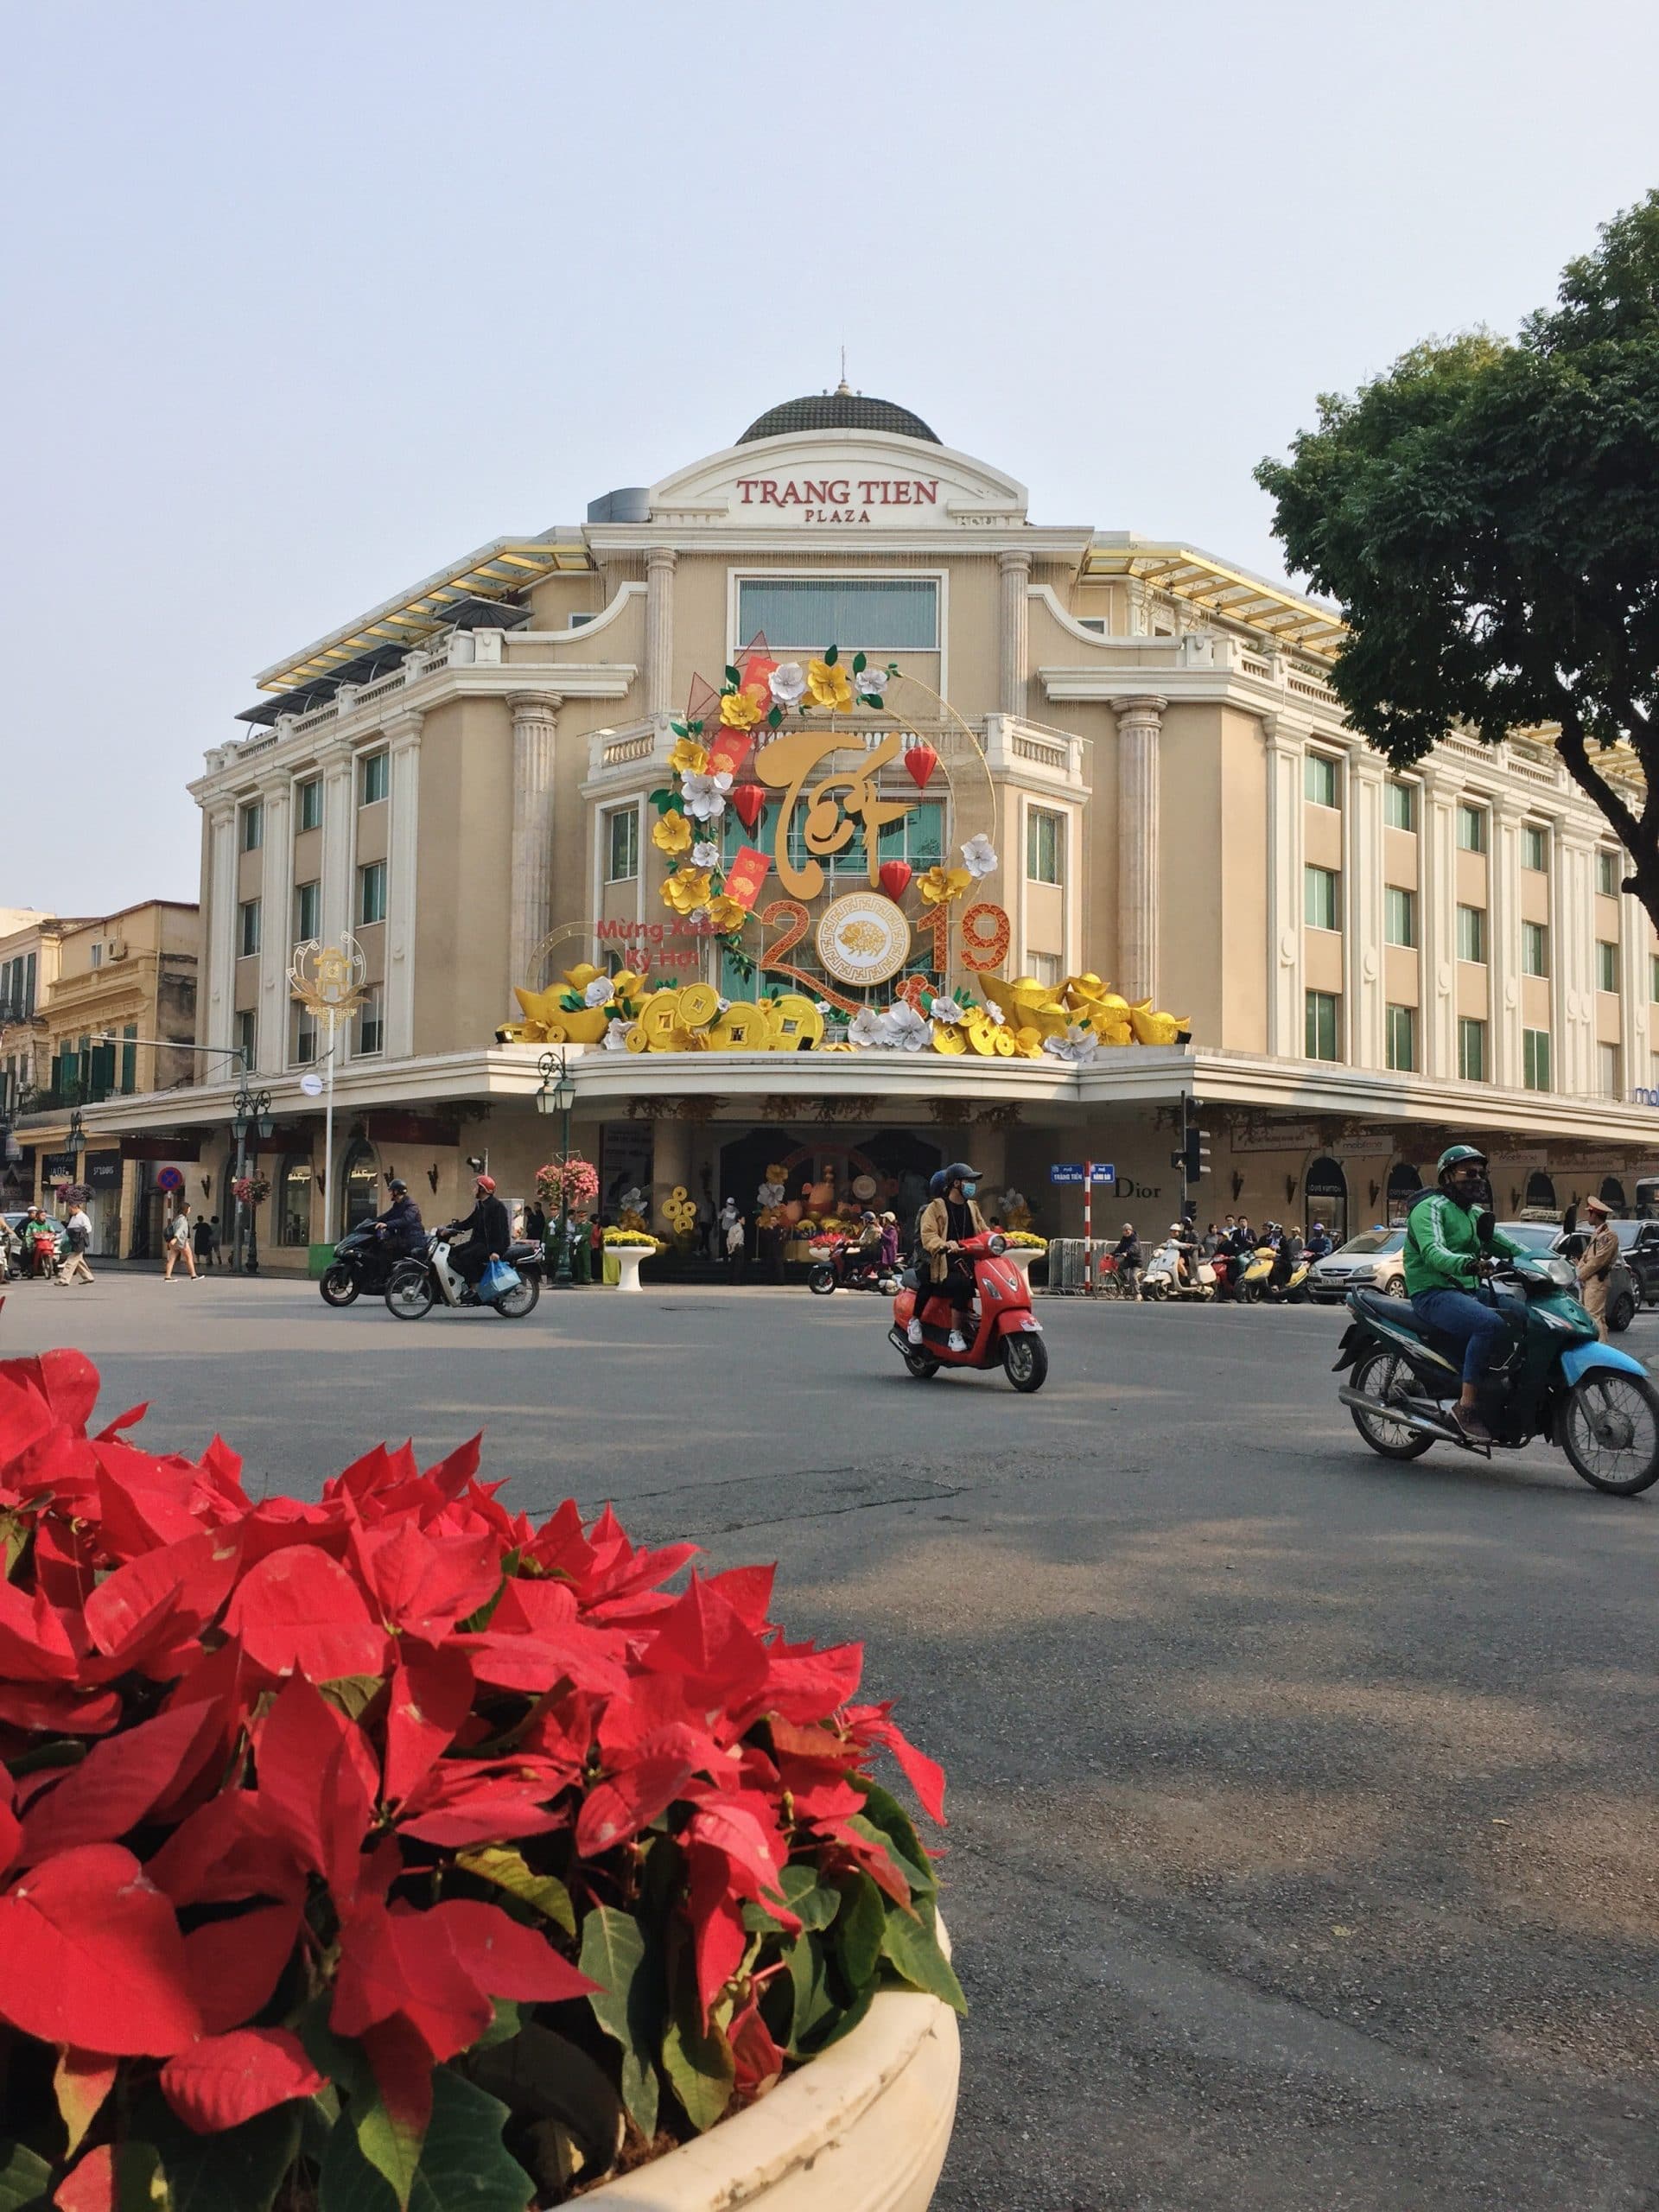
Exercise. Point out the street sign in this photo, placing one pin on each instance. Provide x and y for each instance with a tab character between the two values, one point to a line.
170	1178
1072	1172
311	1085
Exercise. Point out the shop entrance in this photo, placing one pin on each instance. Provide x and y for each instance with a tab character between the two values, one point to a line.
1327	1192
829	1167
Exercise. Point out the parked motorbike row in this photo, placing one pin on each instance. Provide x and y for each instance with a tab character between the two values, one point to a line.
412	1283
1176	1270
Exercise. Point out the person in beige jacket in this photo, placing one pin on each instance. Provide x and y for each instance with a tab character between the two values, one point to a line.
1596	1263
949	1217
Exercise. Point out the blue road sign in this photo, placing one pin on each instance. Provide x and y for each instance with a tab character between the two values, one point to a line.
1072	1172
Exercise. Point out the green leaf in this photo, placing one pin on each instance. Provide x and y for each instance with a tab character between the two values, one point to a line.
893	1827
25	2177
679	729
14	1535
506	2021
813	1900
694	729
858	664
540	2075
831	655
465	2166
508	1871
663	799
911	1947
353	1694
699	2065
774	716
626	2004
391	2146
858	1930
843	2023
734	677
239	2170
809	1987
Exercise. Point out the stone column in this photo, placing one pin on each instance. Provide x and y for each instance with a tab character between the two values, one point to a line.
1573	958
1286	1026
1013	631
535	725
339	768
218	1029
660	564
1366	982
1504	976
276	935
1437	908
403	883
1139	723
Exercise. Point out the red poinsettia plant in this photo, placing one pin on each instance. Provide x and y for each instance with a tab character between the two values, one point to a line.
390	1843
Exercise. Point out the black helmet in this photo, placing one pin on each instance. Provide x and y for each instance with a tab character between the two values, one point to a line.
867	1215
397	1184
957	1172
1454	1156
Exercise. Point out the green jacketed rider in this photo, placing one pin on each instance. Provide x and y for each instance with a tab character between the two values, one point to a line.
1441	1261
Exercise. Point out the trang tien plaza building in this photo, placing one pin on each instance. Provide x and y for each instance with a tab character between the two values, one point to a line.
563	802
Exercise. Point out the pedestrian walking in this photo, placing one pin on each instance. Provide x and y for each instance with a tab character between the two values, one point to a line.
202	1240
77	1239
178	1244
733	1238
1596	1263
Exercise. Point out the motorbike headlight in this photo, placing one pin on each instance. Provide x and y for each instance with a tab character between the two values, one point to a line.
998	1246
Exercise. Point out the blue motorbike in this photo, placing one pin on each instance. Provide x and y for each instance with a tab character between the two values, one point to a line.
1551	1378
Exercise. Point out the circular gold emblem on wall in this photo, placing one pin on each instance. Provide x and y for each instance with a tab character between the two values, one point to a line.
863	939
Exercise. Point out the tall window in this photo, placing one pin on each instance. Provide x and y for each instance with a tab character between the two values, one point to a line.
294	1203
1535	846
1321	898
1398	916
1607	874
1403	1036
1471	1050
247	927
372	1022
311	803
1045	967
1606	965
1320	784
1045	846
305	1036
1534	948
1534	1059
1607	1070
622	845
242	1035
307	910
1472	934
1471	827
1323	1013
858	613
1400	805
253	826
371	892
376	778
130	1058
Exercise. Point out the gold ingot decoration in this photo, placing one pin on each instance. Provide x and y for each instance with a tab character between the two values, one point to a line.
679	1211
539	1007
1151	1028
585	1027
742	1029
792	1019
699	1004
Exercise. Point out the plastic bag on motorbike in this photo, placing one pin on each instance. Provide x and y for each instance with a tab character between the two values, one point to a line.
497	1280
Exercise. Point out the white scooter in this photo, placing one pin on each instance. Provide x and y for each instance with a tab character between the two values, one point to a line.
1166	1278
418	1285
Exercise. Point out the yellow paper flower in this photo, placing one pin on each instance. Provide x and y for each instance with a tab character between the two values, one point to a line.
686	891
688	758
739	710
727	913
671	833
940	885
827	685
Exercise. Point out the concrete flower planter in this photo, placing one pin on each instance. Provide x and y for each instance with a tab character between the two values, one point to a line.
864	2128
629	1260
1022	1256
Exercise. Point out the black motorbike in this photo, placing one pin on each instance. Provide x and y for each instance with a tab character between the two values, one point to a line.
363	1261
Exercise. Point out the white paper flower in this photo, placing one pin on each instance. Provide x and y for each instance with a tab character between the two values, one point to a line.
787	683
871	680
771	1194
1079	1046
705	796
600	992
912	1032
946	1009
705	853
616	1037
979	856
994	1013
720	1004
869	1028
823	1005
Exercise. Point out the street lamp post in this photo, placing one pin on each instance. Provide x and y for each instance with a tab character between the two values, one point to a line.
556	1095
253	1111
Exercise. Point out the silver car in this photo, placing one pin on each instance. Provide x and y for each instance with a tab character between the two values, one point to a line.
1370	1261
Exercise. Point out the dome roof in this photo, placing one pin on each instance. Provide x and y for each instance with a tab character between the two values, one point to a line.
840	409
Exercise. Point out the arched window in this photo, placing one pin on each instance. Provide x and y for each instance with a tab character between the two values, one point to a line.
361	1180
1540	1191
1326	1194
1612	1192
293	1201
1404	1183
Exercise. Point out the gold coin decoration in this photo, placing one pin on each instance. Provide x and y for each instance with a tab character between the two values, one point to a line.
699	1004
679	1210
793	1018
637	1039
660	1015
742	1029
948	1038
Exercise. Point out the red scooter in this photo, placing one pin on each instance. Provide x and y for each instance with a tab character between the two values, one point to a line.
1007	1333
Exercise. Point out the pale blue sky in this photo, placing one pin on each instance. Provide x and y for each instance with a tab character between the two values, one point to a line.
301	301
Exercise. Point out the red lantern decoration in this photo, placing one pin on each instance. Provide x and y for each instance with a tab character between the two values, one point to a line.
747	801
920	761
895	878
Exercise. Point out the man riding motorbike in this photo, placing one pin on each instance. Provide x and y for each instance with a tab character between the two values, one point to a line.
400	1227
1442	1260
947	1220
1319	1243
1126	1255
487	1231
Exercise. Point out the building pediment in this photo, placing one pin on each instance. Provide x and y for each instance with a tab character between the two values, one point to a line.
839	478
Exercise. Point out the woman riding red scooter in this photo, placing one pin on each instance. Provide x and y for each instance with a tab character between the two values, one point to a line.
962	1267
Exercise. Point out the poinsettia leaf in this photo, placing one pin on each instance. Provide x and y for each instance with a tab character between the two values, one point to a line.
508	1870
25	2177
814	1902
239	2170
810	1989
353	1694
858	1928
14	1535
93	1957
842	2022
885	1820
911	1946
507	2022
465	2166
226	2079
541	2076
626	2003
504	1957
700	2067
298	1609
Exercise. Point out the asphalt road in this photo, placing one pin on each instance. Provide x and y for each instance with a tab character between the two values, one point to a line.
1303	1846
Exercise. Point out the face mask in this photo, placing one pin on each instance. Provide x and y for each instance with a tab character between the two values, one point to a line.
969	1189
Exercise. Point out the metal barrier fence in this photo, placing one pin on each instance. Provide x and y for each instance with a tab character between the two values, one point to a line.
1065	1262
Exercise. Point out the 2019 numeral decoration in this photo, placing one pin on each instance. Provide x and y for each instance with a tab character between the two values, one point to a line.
980	950
792	920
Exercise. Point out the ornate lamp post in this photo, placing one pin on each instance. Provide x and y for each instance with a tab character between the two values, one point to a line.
330	982
556	1095
253	1111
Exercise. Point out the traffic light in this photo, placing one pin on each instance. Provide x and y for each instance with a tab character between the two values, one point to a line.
1195	1156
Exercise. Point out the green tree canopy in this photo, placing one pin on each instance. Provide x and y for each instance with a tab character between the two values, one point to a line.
1486	513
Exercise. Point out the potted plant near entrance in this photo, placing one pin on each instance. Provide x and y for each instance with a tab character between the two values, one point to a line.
390	1848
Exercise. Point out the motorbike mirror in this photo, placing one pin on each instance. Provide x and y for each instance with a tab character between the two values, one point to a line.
1485	1229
